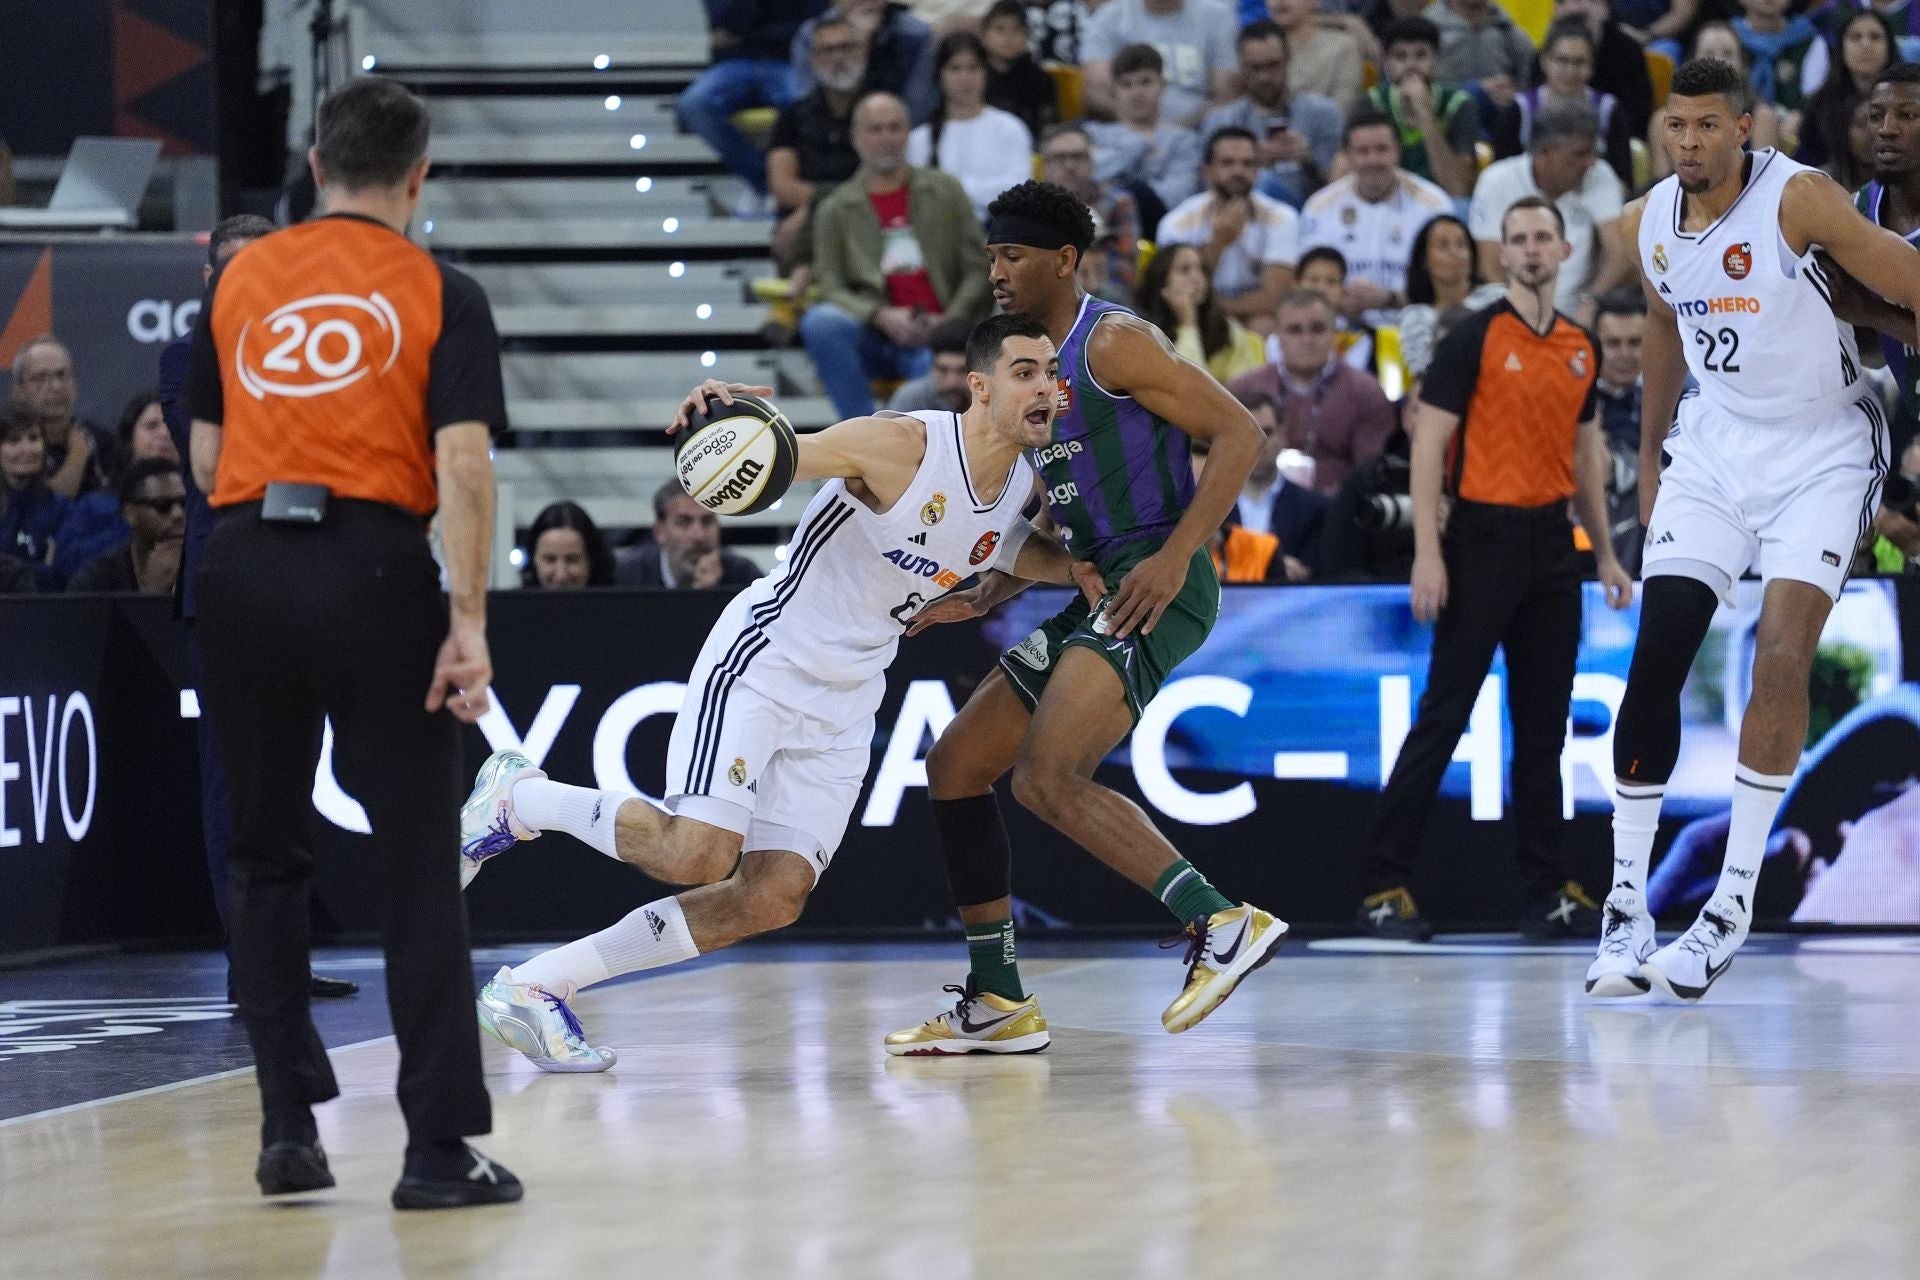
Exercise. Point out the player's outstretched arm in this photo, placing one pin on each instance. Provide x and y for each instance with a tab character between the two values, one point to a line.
1663	370
882	453
1816	211
1132	356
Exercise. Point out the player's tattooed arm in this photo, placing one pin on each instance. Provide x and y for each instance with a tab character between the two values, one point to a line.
1816	211
1663	369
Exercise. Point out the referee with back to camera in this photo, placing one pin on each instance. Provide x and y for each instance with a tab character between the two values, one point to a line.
343	386
1509	427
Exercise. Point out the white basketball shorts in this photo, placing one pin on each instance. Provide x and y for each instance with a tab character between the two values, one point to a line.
764	749
1793	499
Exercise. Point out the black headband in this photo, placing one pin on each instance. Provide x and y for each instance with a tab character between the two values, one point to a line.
1020	228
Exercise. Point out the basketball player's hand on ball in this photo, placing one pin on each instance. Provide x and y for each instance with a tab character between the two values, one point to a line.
1145	593
711	389
1429	587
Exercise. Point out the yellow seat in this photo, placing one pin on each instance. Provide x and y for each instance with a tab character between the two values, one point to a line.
1369	74
1067	89
1660	71
1389	364
1482	155
1142	258
756	123
1642	164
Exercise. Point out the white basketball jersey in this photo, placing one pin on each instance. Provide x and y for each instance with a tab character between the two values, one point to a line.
853	579
1755	318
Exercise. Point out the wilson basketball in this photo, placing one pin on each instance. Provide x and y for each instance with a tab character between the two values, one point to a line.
736	459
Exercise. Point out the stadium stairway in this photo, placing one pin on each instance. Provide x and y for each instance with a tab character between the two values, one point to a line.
600	231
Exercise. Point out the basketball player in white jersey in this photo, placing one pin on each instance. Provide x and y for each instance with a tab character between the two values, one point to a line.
771	745
1777	463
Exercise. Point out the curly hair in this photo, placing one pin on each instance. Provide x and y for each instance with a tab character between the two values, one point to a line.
1050	205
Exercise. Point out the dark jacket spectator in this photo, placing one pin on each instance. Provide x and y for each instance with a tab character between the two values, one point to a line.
899	52
46	387
95	526
16	576
153	502
685	550
1016	82
30	511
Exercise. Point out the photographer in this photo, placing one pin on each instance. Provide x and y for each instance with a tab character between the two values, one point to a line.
1507	423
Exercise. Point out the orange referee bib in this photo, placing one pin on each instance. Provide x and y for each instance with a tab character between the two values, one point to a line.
325	334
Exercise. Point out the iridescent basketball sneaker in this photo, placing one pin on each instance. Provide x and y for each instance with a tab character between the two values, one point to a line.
487	825
528	1017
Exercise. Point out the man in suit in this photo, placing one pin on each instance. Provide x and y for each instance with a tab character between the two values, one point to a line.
685	551
1272	504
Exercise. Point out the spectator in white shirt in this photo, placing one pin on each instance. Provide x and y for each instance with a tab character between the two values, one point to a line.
1247	241
1194	37
1372	216
1561	165
986	148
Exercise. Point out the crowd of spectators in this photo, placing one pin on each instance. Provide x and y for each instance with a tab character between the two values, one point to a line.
1303	198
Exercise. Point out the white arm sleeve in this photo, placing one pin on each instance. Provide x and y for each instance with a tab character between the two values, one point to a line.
1010	545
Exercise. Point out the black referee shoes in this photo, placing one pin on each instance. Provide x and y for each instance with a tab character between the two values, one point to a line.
449	1174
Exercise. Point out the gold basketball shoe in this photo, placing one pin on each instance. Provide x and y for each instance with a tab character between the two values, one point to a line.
980	1022
1221	950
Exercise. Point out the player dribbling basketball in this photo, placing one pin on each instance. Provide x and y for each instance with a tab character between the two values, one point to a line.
771	745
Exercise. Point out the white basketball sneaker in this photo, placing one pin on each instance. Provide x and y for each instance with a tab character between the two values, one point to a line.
528	1017
487	824
1688	965
1626	939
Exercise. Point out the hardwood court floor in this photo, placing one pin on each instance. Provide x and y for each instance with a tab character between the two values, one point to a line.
1460	1112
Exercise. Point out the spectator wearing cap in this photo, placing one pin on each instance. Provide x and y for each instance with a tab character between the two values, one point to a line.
1561	166
153	502
1332	412
1297	134
1143	150
45	384
1194	36
896	248
95	526
1016	82
898	49
750	43
944	386
1248	242
30	511
565	551
986	148
1438	123
685	552
1322	60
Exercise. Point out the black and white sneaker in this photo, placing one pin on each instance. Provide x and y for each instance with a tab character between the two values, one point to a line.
1691	963
1567	912
1626	939
452	1175
1391	914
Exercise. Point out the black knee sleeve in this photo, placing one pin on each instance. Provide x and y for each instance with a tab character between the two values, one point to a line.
973	840
1674	615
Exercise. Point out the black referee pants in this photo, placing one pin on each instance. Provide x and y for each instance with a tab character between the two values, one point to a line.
343	619
1513	582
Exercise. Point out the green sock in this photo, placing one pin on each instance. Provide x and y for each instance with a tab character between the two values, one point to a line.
1187	893
996	967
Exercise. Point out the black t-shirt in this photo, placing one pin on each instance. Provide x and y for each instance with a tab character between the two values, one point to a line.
111	572
822	140
1026	90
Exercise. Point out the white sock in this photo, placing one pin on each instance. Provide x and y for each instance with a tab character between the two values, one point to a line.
1636	822
585	814
653	936
1756	802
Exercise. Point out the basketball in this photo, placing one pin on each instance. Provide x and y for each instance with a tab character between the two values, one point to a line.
736	459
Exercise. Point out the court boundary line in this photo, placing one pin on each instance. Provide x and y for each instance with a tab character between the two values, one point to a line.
164	1088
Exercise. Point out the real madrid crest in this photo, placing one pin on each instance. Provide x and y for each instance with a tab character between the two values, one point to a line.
1660	258
935	510
737	774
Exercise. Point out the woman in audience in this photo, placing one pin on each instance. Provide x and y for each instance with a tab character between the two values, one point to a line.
30	512
1714	40
1016	82
1176	296
1443	272
566	551
987	149
1864	47
1565	70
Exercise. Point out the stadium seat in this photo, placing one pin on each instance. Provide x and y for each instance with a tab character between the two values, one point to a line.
1067	87
1660	71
